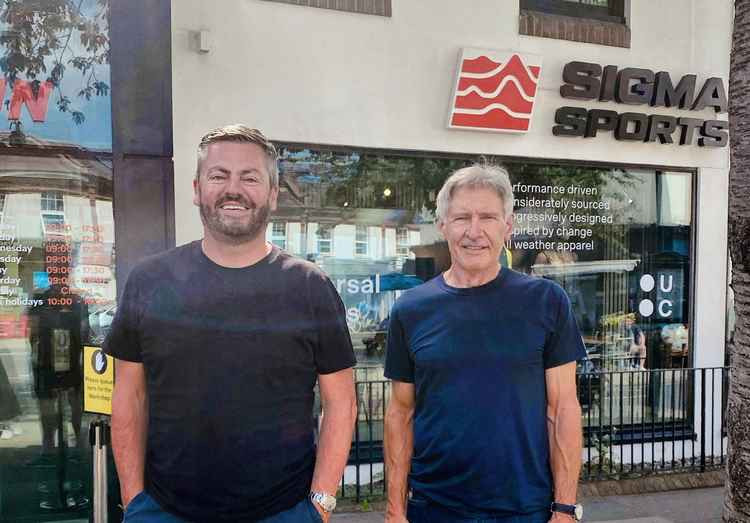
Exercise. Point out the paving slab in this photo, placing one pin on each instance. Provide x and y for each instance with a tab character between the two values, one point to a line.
679	506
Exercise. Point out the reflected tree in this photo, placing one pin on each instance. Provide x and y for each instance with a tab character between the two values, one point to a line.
41	41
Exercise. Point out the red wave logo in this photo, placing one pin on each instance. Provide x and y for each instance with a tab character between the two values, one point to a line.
494	91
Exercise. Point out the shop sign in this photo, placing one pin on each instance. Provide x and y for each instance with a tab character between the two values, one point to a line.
98	381
634	86
494	91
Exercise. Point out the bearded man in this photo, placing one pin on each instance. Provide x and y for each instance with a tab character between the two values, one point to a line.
218	346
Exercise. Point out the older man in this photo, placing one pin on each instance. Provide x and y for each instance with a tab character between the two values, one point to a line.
219	344
484	422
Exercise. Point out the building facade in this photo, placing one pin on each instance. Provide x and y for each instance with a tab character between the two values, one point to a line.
609	115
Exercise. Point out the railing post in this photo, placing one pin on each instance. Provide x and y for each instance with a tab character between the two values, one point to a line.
99	438
703	420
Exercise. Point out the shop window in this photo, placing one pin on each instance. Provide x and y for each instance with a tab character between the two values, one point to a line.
606	10
617	239
370	7
601	22
57	295
58	298
278	234
361	241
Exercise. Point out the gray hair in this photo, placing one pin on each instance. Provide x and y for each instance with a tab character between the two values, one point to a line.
239	133
476	176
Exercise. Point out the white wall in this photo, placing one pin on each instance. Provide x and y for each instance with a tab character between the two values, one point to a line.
322	76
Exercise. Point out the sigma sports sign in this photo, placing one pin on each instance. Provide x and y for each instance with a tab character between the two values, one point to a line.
494	91
634	86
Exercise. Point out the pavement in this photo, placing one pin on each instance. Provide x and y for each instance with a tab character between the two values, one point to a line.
678	506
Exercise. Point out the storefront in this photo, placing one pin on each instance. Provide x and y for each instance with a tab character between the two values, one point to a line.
608	120
59	257
611	123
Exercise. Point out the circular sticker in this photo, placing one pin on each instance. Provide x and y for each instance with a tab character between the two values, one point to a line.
647	283
646	308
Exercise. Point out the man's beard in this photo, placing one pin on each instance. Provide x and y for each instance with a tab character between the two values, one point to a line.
235	231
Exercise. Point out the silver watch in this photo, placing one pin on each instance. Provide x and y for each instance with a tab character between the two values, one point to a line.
326	501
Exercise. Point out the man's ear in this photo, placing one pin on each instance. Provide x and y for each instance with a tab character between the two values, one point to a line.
196	192
509	222
273	198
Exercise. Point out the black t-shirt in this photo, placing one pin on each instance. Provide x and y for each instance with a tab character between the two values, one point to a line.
477	358
231	358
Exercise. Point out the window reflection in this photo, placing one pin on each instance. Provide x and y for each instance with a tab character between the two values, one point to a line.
57	295
57	288
368	220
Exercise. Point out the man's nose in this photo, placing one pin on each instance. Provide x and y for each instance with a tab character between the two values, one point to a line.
234	184
475	228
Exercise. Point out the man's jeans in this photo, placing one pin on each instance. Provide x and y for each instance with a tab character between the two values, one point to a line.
419	510
143	509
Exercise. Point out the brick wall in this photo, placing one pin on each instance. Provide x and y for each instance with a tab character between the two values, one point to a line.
535	23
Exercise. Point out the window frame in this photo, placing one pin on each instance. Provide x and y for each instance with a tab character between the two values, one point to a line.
371	7
319	240
614	12
279	240
359	242
52	196
402	247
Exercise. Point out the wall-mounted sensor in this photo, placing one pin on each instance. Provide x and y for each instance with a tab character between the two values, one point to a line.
204	42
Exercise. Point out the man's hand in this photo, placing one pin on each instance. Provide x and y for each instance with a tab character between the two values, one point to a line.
559	517
127	498
323	514
393	518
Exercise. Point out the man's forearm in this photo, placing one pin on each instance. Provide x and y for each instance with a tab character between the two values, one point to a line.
565	442
333	445
129	427
399	443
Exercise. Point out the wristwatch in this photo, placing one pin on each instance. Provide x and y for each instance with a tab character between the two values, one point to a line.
574	511
325	501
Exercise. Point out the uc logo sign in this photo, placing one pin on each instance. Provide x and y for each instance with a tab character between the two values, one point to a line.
663	305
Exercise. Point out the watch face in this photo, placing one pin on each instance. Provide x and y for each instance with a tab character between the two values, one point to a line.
579	512
326	501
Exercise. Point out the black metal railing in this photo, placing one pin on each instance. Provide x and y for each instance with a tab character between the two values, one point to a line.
635	423
652	421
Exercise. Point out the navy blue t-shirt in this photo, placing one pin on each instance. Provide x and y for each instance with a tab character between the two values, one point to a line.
477	357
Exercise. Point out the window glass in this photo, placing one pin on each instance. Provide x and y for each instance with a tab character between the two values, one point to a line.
607	10
277	234
57	281
617	240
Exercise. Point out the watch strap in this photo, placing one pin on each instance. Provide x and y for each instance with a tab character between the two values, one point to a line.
570	510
